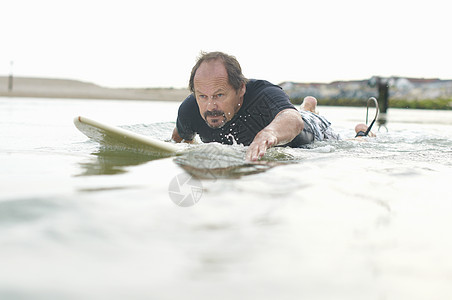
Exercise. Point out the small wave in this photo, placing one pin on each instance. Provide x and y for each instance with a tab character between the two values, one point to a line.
213	155
161	130
324	149
215	161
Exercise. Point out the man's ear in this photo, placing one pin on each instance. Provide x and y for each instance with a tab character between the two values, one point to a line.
242	90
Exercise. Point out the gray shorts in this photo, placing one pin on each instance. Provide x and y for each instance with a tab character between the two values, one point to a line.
316	127
306	137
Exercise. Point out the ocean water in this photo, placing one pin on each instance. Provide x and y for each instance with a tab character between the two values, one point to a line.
338	220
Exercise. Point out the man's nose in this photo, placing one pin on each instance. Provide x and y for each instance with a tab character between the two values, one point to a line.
211	105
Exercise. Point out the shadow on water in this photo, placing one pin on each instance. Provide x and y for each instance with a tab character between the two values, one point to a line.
205	161
113	162
231	172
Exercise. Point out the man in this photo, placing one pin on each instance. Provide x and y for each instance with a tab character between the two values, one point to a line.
227	108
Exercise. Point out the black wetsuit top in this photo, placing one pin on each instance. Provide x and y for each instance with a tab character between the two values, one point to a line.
261	103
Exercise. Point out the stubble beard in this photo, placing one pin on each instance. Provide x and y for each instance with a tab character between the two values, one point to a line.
215	113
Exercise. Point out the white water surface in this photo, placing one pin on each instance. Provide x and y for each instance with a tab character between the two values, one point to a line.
338	220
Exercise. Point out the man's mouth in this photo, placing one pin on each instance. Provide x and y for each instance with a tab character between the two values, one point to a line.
215	118
214	113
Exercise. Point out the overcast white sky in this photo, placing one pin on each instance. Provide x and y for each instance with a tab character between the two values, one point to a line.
155	43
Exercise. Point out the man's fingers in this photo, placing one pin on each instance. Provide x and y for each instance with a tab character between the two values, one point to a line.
259	146
256	151
262	151
251	153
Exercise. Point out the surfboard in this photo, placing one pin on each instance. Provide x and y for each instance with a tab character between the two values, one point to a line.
114	136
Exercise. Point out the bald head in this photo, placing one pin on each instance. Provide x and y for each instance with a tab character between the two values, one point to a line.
230	63
210	75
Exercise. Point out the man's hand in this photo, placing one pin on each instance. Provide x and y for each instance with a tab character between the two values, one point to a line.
262	141
284	128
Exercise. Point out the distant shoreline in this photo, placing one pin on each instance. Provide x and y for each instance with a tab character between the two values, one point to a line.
424	94
66	89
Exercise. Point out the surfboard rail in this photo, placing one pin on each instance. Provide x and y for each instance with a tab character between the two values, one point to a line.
102	133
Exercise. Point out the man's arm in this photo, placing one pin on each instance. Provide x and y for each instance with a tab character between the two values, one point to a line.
284	128
176	137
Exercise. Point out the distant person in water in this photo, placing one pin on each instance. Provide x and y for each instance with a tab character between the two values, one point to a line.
226	107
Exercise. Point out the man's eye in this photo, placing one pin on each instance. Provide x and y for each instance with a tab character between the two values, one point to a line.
220	95
202	97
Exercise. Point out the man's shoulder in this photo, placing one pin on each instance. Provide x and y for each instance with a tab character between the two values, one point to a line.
189	103
258	84
264	98
189	110
190	99
257	89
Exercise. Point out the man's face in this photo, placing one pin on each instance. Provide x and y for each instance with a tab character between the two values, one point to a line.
217	100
